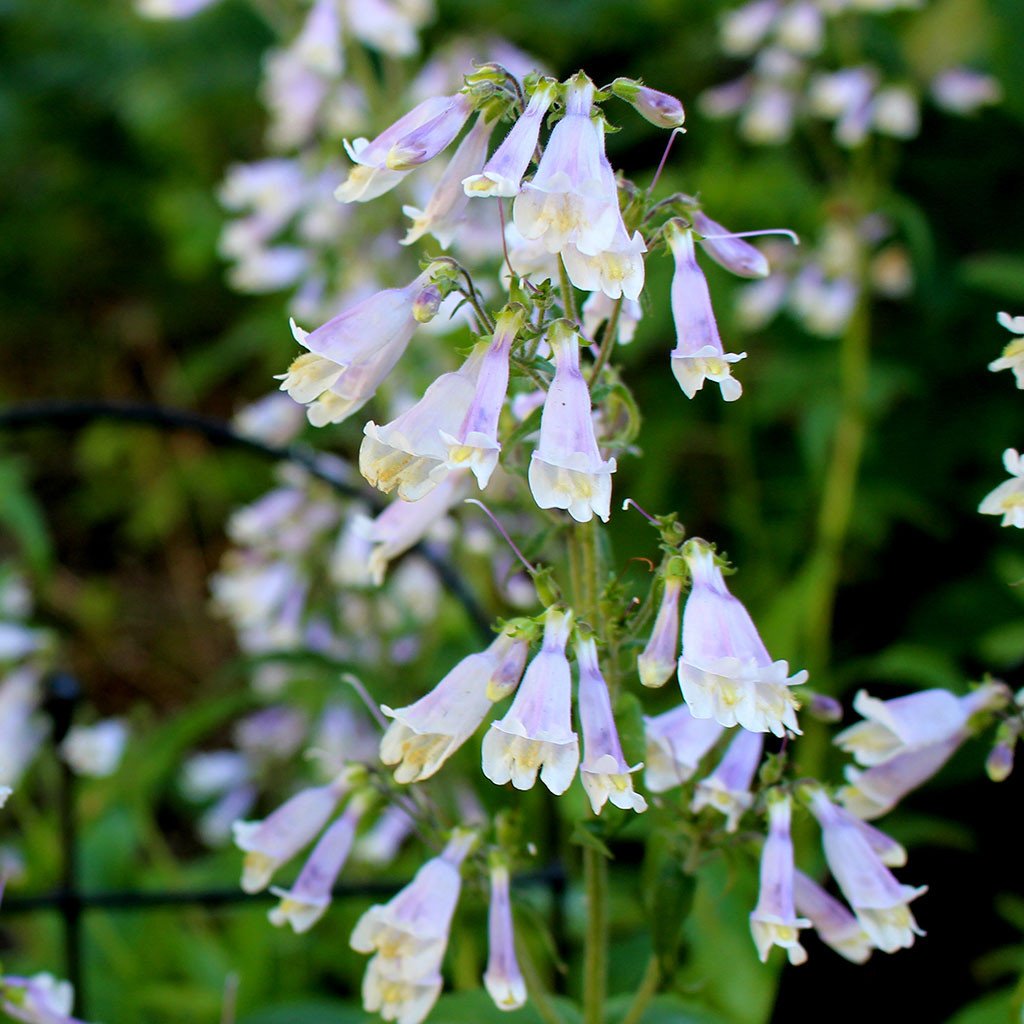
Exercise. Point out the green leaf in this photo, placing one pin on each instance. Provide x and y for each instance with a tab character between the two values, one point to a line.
318	1011
671	902
22	515
665	1009
998	1008
1000	274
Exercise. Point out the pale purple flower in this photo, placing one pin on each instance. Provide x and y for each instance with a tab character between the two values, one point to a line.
277	838
833	922
502	175
566	470
659	108
273	419
964	91
380	843
502	979
387	991
676	744
774	921
745	28
801	28
659	659
425	734
431	137
536	733
1007	500
273	732
736	255
617	271
307	900
215	824
569	201
879	901
41	999
387	26
212	772
22	730
604	770
598	310
769	114
727	788
293	95
698	355
725	672
1013	354
318	44
823	304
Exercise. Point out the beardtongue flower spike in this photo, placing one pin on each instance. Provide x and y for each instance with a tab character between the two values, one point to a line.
725	672
502	175
835	925
307	900
698	355
566	470
604	771
660	658
569	201
536	733
503	978
1007	500
734	254
425	734
659	108
774	921
878	900
351	354
1013	354
676	744
727	788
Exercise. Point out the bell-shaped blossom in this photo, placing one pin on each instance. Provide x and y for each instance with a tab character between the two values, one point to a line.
833	922
503	979
698	355
410	932
1007	500
676	744
727	788
41	999
307	900
318	44
502	175
728	251
598	309
536	733
658	661
351	354
387	991
444	210
566	470
659	108
618	271
1013	355
774	921
570	200
605	772
878	900
725	672
929	716
277	838
425	734
424	142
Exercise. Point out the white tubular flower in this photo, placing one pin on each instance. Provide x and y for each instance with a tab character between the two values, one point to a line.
878	900
277	838
41	999
598	310
425	734
725	672
566	470
351	354
676	744
618	271
727	788
502	979
660	658
604	771
734	254
395	997
410	932
1013	355
835	925
536	733
774	921
1007	500
502	175
307	900
698	355
569	201
95	750
318	44
445	208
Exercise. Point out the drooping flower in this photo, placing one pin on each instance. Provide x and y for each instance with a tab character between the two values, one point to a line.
659	659
878	900
307	900
425	734
536	733
1007	500
698	355
725	672
351	354
835	925
387	991
605	773
736	255
618	270
502	175
568	201
318	44
503	979
727	788
774	921
566	470
676	744
1013	354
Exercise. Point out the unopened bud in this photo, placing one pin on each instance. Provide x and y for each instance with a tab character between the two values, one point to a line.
999	762
825	708
659	108
426	304
728	251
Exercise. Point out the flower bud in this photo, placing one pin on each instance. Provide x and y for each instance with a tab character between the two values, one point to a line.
999	762
659	108
426	304
825	708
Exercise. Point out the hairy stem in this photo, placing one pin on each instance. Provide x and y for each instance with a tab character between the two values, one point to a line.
595	951
611	329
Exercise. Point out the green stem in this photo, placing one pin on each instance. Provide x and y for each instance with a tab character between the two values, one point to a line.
611	329
535	987
568	294
595	950
645	993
